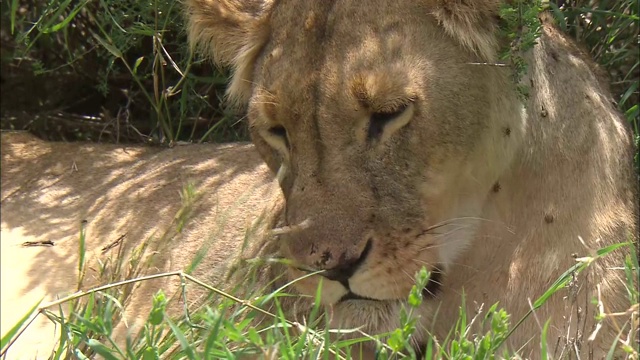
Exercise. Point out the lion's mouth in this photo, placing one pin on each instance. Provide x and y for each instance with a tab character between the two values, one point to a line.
353	296
430	291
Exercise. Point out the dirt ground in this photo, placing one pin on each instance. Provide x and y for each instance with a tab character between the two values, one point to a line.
49	188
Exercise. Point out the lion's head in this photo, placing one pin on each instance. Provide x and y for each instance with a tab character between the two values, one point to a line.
384	134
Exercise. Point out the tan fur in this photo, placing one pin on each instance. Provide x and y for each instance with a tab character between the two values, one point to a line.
465	179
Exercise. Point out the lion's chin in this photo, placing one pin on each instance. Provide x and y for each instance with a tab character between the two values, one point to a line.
351	296
369	315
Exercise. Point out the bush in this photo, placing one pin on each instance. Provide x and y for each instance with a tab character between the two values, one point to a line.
125	68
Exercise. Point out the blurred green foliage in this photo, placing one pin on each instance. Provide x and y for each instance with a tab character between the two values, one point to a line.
118	70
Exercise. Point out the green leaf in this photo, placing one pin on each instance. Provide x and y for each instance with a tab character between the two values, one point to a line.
396	341
184	344
559	283
101	349
608	249
66	20
137	64
558	15
159	306
110	47
632	113
14	11
150	353
415	297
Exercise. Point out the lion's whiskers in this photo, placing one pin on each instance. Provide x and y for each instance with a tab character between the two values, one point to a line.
291	228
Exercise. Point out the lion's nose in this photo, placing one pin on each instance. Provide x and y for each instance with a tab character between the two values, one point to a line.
347	266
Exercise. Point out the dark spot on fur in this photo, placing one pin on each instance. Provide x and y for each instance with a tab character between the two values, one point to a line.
326	256
548	218
372	218
507	131
406	230
544	113
376	193
314	249
496	187
554	55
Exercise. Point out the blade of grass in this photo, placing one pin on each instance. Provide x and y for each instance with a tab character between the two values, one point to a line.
101	349
14	11
184	344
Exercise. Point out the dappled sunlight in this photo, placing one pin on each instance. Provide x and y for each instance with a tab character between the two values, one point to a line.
128	191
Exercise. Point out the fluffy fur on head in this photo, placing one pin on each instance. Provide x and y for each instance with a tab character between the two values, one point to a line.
232	32
472	22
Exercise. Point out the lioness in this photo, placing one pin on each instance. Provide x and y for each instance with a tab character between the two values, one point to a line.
399	142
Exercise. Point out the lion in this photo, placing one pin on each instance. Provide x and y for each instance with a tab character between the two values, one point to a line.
126	196
399	142
389	138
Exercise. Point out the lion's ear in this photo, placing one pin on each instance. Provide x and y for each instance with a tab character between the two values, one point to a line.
231	32
472	22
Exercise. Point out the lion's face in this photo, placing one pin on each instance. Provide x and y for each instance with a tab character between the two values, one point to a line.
372	125
383	135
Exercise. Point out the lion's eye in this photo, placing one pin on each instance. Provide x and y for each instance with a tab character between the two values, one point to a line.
379	120
279	132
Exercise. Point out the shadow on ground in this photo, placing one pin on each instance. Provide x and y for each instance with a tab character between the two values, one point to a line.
49	188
